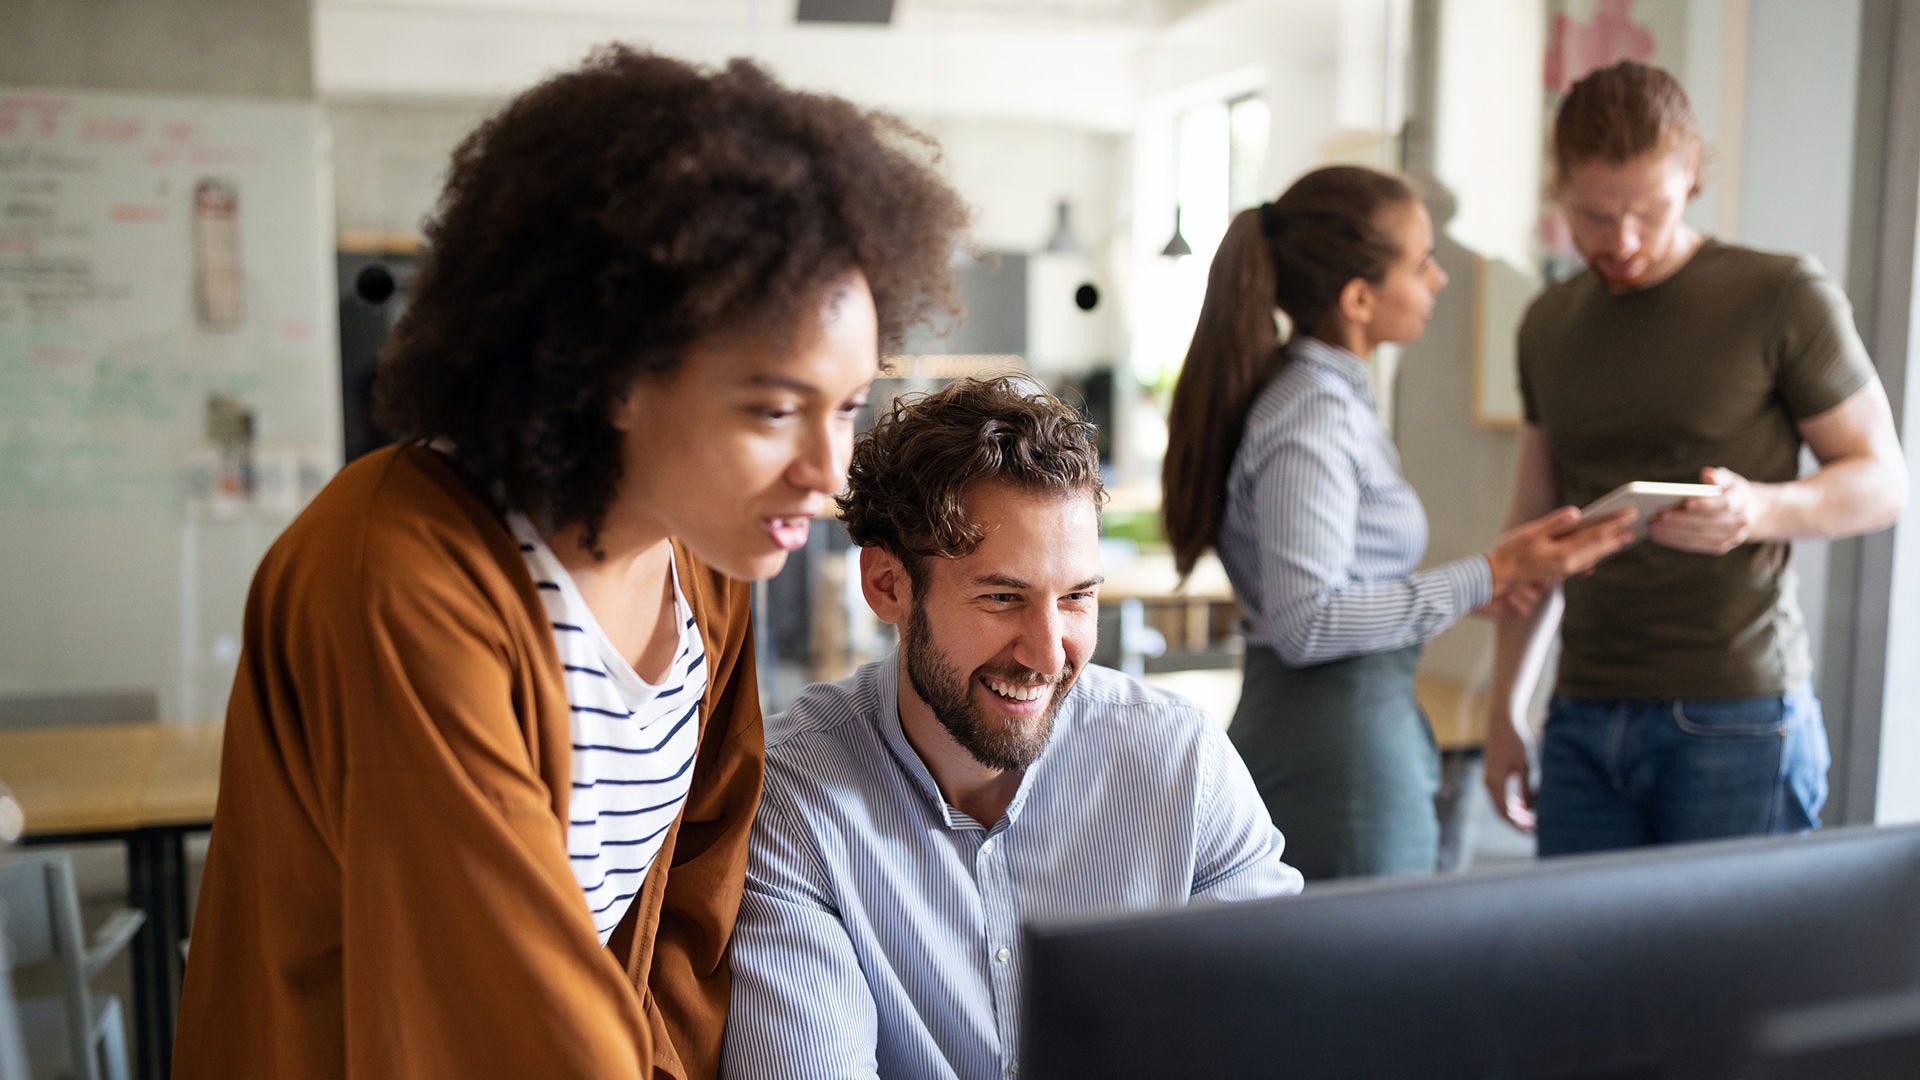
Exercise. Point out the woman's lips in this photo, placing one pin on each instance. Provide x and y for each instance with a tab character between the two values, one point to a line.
789	533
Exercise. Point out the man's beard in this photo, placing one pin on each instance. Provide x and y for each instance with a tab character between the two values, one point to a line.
948	693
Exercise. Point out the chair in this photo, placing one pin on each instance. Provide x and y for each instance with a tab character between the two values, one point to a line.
13	1047
79	1033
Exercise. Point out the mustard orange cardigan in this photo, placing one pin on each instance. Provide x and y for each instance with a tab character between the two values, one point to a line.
388	893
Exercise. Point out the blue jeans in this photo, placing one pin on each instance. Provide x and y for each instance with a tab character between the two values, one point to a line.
1628	773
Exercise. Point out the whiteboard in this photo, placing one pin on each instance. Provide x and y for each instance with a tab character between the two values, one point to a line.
153	251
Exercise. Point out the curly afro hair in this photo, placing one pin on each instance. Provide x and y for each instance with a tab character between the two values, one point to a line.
609	217
908	481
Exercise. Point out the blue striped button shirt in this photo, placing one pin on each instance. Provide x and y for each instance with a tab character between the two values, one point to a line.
1322	533
879	933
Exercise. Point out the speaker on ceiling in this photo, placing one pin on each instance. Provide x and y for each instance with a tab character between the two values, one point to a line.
866	12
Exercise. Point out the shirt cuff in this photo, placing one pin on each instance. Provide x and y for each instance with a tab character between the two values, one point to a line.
1469	581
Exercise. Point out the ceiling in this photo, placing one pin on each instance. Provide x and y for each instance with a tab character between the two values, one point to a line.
1006	13
1087	63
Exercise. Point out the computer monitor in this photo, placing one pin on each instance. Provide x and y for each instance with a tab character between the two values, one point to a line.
1656	963
1872	1038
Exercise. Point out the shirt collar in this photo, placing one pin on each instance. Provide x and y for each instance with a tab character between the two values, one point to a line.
885	684
1334	358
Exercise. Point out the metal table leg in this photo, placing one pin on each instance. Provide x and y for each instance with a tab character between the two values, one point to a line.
171	886
156	881
148	944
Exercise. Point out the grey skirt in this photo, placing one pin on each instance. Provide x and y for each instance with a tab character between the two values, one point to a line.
1345	760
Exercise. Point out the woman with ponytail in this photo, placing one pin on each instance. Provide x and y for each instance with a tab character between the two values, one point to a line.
1277	460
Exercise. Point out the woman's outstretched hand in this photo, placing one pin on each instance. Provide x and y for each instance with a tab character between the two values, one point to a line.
1532	557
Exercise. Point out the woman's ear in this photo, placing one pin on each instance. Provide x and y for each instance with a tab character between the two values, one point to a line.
1356	303
622	410
629	407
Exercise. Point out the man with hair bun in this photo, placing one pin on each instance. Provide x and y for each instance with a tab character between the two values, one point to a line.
1684	708
918	812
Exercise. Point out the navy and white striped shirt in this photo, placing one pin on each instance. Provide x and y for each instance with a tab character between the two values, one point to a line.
633	741
1322	533
879	933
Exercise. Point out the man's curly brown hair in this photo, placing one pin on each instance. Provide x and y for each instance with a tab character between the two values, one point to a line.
908	482
612	215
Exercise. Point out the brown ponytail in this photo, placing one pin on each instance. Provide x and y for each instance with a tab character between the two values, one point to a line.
1296	254
1235	350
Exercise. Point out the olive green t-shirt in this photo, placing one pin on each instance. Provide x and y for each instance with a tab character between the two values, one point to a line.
1713	366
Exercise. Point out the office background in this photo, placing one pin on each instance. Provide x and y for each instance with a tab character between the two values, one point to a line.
125	568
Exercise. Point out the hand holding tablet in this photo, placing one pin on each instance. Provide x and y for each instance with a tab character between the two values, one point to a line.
1532	557
1649	497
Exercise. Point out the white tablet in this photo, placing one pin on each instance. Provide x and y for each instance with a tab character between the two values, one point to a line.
1647	496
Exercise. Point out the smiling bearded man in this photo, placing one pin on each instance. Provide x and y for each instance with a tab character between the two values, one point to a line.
918	812
940	683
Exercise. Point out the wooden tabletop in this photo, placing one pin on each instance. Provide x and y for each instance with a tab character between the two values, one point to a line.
1459	716
106	778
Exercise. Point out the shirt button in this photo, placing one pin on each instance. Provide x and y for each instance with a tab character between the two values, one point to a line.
1003	955
987	848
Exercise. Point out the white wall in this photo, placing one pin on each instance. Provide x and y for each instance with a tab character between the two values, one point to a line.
390	159
248	48
1011	171
1898	795
1885	277
1488	123
927	65
1796	174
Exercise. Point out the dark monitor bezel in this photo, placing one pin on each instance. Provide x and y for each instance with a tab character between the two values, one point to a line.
1649	963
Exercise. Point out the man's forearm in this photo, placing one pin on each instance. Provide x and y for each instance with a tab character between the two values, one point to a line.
1844	498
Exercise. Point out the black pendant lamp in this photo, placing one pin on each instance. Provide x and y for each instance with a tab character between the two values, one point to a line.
1177	246
1063	241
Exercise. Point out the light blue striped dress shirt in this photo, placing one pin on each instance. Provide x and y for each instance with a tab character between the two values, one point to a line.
879	933
1322	533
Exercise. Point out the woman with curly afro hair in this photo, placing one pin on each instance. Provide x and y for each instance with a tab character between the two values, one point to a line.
494	746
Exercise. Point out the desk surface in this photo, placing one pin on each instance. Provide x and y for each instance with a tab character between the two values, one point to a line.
117	777
105	778
1459	716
